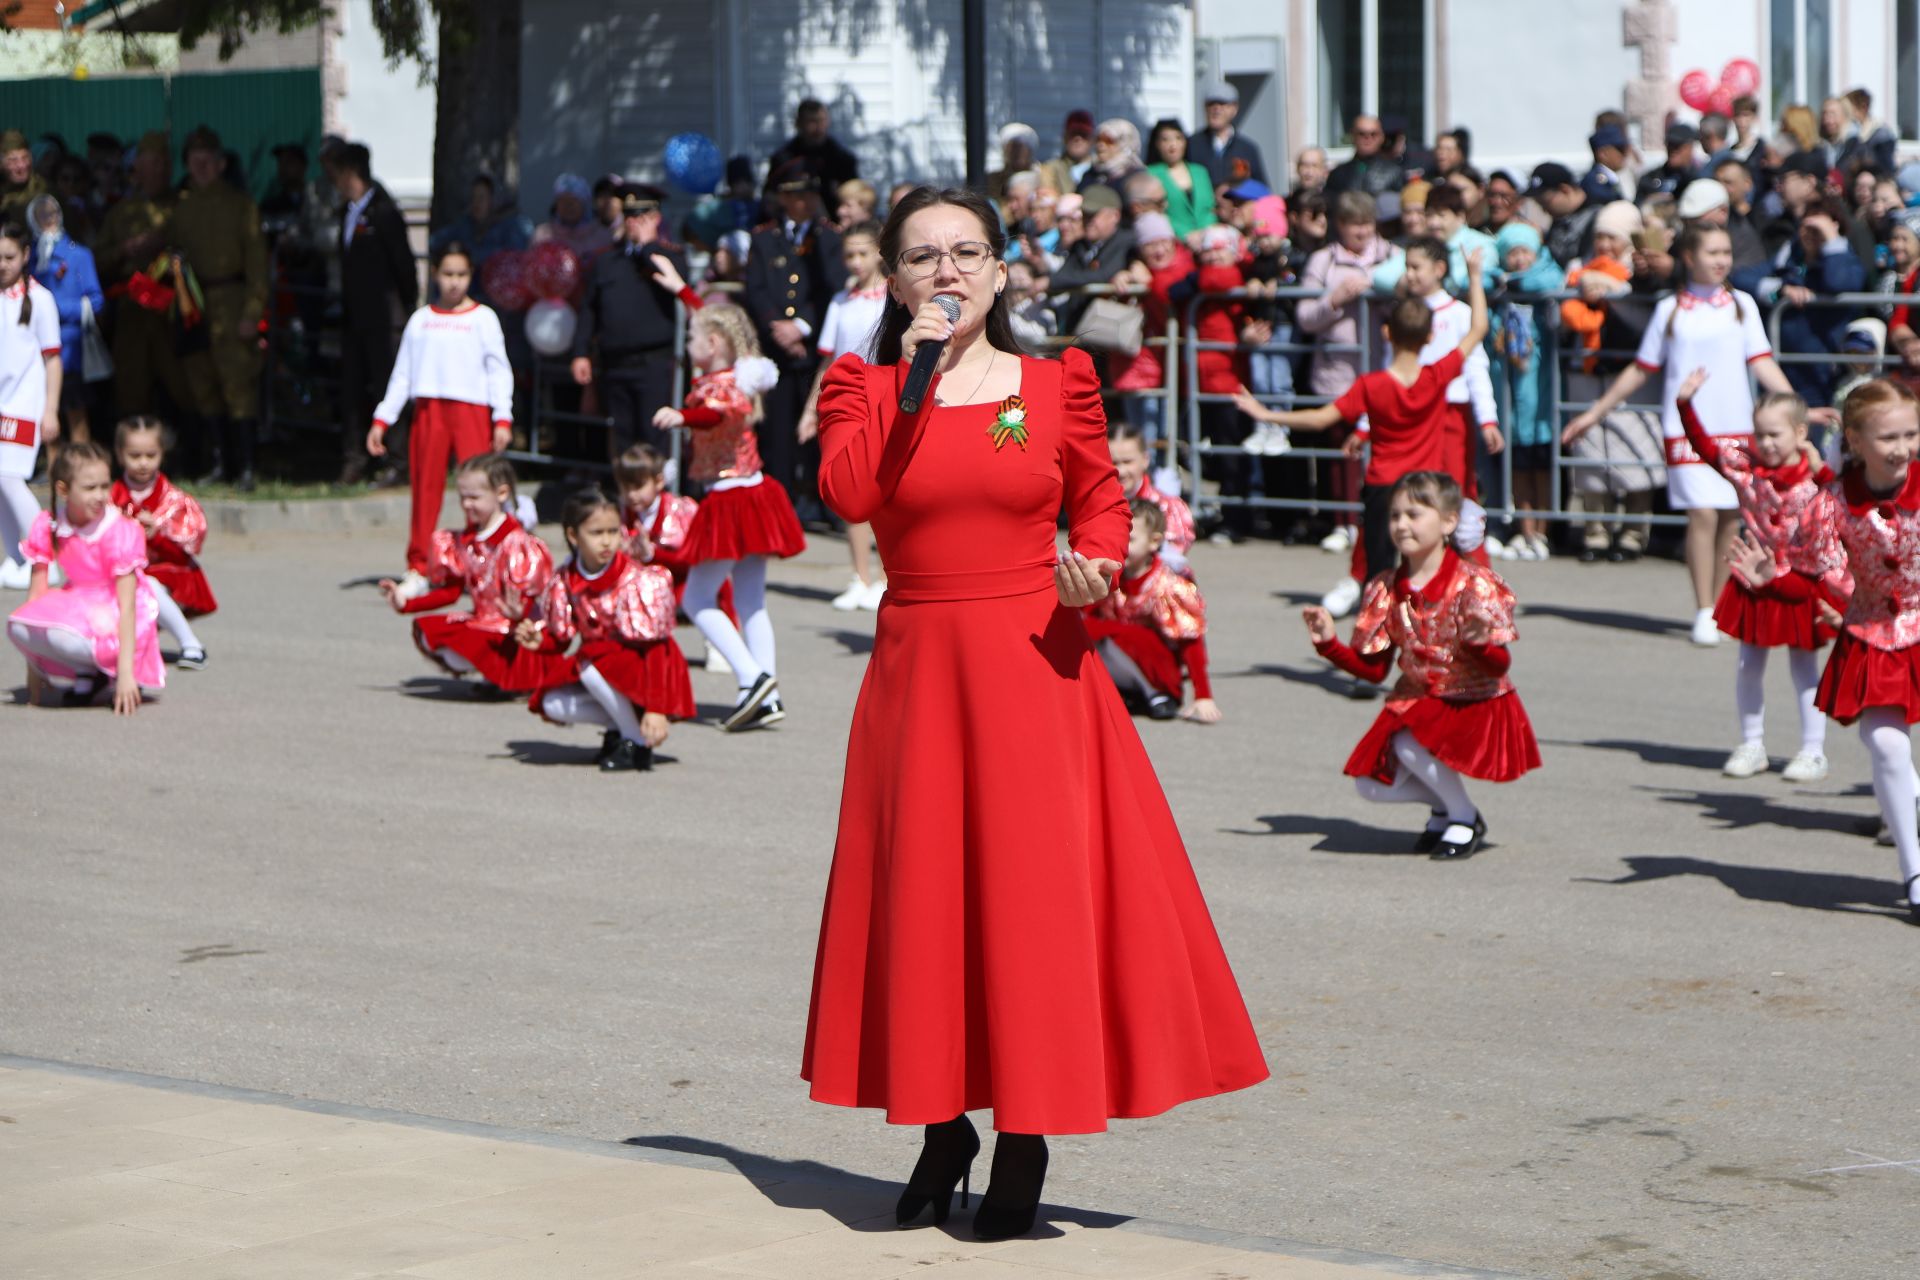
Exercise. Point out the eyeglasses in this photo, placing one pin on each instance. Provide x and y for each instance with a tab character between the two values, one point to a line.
1107	140
969	256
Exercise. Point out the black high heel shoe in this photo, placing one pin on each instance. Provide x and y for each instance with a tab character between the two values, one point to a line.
946	1160
1013	1199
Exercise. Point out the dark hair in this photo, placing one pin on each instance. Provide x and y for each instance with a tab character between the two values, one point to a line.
583	505
896	318
1611	116
1434	489
1432	248
1470	173
482	180
1153	136
1444	197
355	159
868	228
1120	429
1746	102
1688	245
1464	136
640	463
452	249
70	457
807	107
141	422
1350	208
494	466
17	233
1156	519
1313	203
1501	175
1409	324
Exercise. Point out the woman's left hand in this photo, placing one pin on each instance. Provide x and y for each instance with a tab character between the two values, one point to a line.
1081	581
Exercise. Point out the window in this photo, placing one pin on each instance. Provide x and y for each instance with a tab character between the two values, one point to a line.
1372	57
1802	58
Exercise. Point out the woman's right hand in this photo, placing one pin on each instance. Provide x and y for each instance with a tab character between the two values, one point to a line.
1320	628
930	324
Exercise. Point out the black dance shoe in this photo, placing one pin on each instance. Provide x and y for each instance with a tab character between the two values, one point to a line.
946	1161
1448	850
1427	839
1913	900
1013	1198
1590	555
608	741
628	754
1161	707
750	699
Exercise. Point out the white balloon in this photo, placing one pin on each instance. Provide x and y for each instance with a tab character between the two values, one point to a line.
550	325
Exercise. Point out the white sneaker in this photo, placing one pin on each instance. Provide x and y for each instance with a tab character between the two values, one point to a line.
1496	549
852	598
1340	601
1256	441
1748	759
1525	550
412	585
715	662
1279	441
1706	632
1807	766
1339	542
15	576
1540	545
875	592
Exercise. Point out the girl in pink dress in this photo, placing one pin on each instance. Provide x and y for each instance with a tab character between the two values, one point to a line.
105	620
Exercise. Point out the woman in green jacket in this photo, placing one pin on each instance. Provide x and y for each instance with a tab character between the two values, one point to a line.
1189	189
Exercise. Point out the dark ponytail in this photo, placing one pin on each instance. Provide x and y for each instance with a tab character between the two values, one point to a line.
17	233
896	319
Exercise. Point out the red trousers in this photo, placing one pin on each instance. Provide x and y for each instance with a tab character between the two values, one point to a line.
1463	433
443	433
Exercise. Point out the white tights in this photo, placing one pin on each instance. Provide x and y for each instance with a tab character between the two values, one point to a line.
457	664
592	701
1883	731
172	619
1421	779
1750	697
61	654
749	656
17	510
1125	671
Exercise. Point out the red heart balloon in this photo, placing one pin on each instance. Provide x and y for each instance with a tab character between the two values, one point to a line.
1741	77
1721	100
1695	88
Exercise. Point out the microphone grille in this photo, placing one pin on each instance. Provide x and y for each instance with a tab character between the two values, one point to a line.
950	305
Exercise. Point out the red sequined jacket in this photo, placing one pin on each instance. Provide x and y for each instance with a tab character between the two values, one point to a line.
627	603
504	574
1878	541
181	528
1170	606
724	444
1427	627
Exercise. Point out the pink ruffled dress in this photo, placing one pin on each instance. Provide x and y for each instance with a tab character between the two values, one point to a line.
93	557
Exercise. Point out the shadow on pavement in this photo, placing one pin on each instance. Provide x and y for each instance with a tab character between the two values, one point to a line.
1651	752
1818	890
1328	678
1643	623
1338	835
795	592
854	1200
1733	810
856	643
449	689
580	754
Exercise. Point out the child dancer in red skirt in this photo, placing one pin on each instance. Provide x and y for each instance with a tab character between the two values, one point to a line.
503	568
1869	525
1454	711
1777	476
628	675
746	517
176	529
657	522
1154	628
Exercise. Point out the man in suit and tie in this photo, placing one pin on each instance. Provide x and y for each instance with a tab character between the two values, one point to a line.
379	290
793	271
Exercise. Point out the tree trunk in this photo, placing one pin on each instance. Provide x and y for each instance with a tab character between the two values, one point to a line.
477	118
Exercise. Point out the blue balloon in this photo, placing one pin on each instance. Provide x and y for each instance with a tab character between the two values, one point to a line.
694	163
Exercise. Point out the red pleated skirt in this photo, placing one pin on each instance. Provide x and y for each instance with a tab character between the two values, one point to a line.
1153	655
1767	621
1859	676
1011	920
653	678
500	659
187	584
752	520
1490	738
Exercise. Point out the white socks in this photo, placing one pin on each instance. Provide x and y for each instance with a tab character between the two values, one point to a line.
751	655
173	620
1883	731
613	702
1445	785
1750	699
454	662
60	654
592	701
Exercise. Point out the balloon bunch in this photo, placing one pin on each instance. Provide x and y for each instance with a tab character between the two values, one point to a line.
539	281
1738	79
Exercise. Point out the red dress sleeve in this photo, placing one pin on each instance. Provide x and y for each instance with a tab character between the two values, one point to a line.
1703	444
1194	655
438	598
1373	668
700	416
864	448
1098	520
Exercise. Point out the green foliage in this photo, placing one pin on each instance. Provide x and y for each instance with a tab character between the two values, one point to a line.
402	23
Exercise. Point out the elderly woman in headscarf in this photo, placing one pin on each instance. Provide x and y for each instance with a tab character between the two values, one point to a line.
1019	151
65	269
1116	155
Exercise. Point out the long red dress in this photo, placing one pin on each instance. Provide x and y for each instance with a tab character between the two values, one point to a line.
1011	921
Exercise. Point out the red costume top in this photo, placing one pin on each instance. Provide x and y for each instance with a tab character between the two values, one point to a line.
1776	501
1218	320
1000	818
1405	426
724	444
1180	531
1425	625
1879	541
667	521
1172	608
180	528
504	574
627	602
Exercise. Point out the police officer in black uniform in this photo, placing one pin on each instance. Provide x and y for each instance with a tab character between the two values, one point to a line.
793	271
631	318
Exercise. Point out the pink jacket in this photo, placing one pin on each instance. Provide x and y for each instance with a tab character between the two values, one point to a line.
1334	371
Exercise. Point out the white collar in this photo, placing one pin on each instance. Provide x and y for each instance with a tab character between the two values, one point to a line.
89	532
652	512
357	206
590	577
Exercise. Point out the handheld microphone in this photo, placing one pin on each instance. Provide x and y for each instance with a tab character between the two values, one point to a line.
925	357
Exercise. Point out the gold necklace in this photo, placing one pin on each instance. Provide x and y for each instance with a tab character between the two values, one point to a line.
945	403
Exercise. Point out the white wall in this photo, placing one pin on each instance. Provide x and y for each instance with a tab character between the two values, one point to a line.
388	109
1529	90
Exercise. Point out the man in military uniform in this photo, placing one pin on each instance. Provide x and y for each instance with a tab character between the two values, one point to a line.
135	233
793	271
1602	182
19	184
631	318
217	231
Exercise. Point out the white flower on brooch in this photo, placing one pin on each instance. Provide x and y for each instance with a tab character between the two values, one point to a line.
1010	423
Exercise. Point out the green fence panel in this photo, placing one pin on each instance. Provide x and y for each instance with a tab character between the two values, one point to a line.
126	106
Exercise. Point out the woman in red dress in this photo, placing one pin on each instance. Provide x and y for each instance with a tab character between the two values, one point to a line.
1011	921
